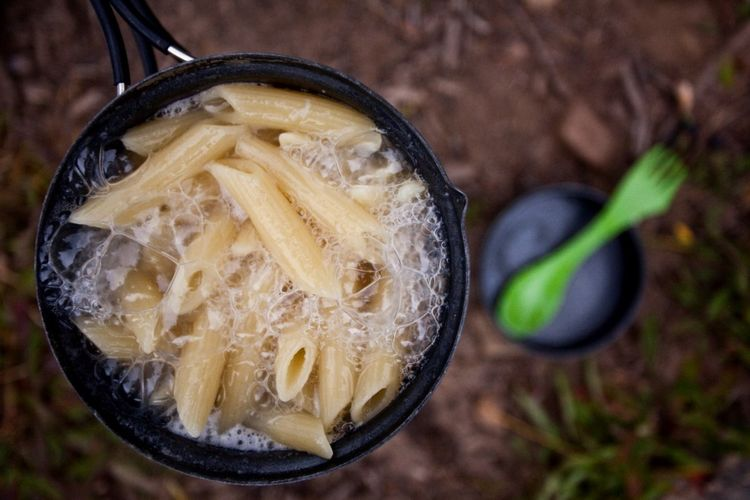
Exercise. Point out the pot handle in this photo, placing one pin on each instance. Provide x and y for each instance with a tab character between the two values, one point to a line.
149	34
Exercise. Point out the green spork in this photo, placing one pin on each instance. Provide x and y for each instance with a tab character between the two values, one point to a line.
535	294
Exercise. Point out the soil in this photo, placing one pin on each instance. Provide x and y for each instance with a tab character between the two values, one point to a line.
497	88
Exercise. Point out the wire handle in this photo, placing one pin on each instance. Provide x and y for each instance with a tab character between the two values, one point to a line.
147	31
115	45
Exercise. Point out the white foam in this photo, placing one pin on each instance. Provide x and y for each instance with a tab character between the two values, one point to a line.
414	266
238	437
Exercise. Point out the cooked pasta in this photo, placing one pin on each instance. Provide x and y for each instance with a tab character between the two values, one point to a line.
153	135
331	208
114	340
239	382
300	431
281	229
273	264
336	380
196	275
268	107
377	384
198	373
140	298
180	159
295	359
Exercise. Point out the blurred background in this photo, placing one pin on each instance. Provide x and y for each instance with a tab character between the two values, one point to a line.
513	95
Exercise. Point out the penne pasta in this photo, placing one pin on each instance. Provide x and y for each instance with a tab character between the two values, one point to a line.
299	431
295	360
247	241
268	107
281	229
195	277
308	399
198	372
239	383
330	207
180	159
377	385
369	196
163	391
335	381
139	300
153	135
267	259
363	145
409	190
294	140
113	340
129	215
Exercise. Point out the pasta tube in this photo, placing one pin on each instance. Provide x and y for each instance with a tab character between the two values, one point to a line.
299	431
152	135
129	214
307	399
336	382
295	360
330	207
195	278
247	241
139	298
363	145
281	229
367	195
113	340
239	383
268	107
180	159
198	373
377	385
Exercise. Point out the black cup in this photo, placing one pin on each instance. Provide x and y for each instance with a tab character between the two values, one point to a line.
603	295
79	359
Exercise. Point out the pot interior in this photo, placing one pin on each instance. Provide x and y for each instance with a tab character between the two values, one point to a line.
79	359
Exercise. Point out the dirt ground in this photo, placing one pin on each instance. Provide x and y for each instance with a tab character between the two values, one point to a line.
512	96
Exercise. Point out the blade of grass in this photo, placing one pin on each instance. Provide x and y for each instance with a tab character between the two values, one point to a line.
567	403
593	380
650	340
538	415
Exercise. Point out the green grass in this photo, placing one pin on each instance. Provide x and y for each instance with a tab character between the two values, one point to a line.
609	438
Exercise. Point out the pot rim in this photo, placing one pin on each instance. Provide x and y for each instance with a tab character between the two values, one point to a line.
450	201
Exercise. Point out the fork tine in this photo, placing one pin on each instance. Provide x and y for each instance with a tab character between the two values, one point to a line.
675	180
648	165
670	169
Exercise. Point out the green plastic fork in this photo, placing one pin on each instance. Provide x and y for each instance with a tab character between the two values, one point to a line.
535	294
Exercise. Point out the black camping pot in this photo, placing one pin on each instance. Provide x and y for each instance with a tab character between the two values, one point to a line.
79	359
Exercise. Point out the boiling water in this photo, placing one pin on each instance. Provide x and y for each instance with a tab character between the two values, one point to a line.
88	267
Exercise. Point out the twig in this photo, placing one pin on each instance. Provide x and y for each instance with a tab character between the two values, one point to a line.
530	433
739	41
386	12
526	25
471	19
641	128
451	54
